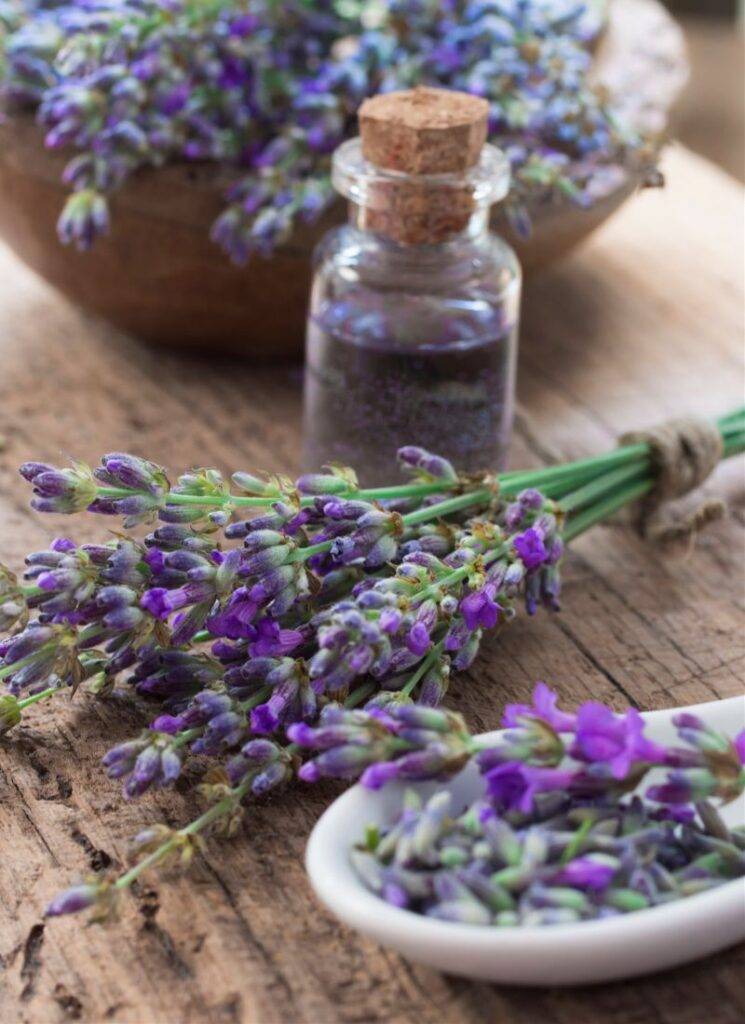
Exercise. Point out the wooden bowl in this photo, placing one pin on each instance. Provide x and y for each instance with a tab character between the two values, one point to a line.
158	276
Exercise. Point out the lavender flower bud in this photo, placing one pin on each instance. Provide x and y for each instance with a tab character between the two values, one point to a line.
322	483
254	485
85	216
434	685
425	465
59	490
131	472
464	657
79	897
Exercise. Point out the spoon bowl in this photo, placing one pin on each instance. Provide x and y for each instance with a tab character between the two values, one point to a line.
586	952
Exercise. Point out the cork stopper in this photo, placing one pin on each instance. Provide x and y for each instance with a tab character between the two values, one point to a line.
423	130
424	142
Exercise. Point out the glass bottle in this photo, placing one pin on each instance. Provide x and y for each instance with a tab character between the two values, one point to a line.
413	322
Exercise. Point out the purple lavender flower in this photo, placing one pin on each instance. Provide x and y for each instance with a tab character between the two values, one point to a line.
40	656
434	684
682	788
530	548
146	482
350	644
222	732
86	215
479	608
235	620
292	699
173	675
268	764
586	873
209	582
543	707
514	786
602	737
88	584
373	542
271	641
161	603
152	760
527	501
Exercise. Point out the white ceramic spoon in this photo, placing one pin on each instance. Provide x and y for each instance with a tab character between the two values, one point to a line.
589	951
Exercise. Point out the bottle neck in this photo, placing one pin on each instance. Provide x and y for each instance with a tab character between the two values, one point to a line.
420	211
476	227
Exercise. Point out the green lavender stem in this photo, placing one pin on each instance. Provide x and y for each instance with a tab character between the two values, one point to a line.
447	507
570	474
421	670
35	697
589	494
603	509
224	806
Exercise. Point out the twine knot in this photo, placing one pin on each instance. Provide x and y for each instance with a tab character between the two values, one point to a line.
683	452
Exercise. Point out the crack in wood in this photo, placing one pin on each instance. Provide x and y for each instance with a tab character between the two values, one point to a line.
595	661
42	838
164	939
98	859
70	1005
32	962
278	981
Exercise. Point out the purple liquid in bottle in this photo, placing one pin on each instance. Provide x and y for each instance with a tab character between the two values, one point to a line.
387	369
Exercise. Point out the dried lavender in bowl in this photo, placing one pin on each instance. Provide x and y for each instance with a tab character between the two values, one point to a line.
556	838
268	90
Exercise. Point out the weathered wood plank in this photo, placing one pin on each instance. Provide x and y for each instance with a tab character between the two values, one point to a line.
645	322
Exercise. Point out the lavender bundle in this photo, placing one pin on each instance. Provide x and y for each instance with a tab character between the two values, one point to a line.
240	631
555	839
269	90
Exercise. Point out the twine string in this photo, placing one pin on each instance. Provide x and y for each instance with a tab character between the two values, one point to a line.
684	452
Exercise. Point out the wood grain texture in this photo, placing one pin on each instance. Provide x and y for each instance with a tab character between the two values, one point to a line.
645	322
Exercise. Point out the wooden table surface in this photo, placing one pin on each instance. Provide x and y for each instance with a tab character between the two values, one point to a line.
645	322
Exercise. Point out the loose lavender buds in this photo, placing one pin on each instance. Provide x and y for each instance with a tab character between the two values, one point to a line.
556	838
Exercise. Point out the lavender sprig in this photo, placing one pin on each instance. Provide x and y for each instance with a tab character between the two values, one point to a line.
122	604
